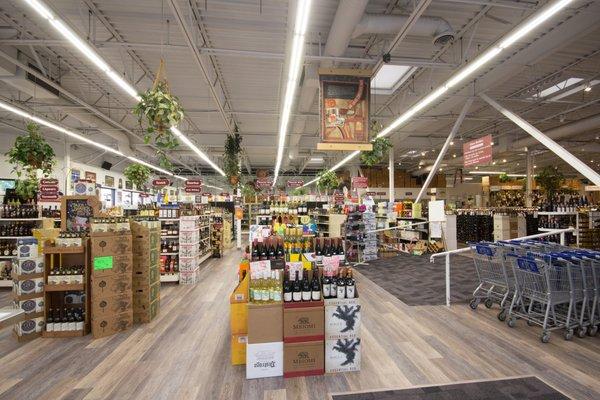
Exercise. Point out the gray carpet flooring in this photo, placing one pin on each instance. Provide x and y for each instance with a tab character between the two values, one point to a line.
416	281
529	388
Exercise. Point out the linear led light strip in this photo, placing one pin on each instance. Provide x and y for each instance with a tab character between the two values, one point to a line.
58	128
516	34
302	13
95	58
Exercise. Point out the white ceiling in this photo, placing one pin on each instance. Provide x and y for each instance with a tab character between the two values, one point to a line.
249	39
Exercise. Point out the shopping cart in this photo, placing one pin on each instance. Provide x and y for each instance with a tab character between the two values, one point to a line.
544	293
590	315
495	279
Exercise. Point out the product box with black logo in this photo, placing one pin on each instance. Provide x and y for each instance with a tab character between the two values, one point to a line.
111	285
342	318
26	266
264	360
30	326
265	323
28	286
342	355
27	248
303	359
110	324
31	306
303	321
144	313
102	306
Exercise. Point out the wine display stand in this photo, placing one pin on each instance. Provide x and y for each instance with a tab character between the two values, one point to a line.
57	295
216	235
189	245
146	272
170	272
8	258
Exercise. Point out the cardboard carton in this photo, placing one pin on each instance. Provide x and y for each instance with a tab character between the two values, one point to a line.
108	286
265	323
147	277
102	306
110	324
146	312
303	322
264	360
31	265
147	294
342	355
238	349
342	318
111	243
303	359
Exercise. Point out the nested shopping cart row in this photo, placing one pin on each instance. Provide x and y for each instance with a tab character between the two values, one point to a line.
543	283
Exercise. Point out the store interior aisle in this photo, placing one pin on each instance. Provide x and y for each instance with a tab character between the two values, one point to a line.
184	353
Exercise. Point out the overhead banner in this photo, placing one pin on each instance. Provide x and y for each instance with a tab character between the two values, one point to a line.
478	151
344	105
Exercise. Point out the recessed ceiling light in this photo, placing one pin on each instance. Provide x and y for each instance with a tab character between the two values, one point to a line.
504	160
476	167
535	166
452	143
494	163
588	88
453	155
423	153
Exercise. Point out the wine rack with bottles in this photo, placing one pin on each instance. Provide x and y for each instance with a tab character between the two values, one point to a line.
169	243
589	229
216	235
204	245
66	288
551	220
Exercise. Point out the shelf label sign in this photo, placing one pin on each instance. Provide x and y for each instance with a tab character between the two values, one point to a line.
478	151
103	262
160	182
360	182
295	183
207	194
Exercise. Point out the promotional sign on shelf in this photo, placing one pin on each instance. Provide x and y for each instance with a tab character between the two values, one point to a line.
478	151
295	183
360	182
160	182
48	190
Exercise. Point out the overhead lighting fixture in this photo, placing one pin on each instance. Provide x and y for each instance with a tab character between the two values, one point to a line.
294	67
388	78
517	33
504	160
453	155
452	143
85	49
58	128
588	88
316	159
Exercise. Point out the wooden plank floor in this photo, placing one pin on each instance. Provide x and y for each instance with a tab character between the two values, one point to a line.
184	353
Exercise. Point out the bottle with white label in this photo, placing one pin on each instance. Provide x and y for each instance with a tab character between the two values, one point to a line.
306	288
287	290
296	289
341	286
315	286
326	286
276	287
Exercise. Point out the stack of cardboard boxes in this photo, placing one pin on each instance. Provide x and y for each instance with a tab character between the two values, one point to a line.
509	226
28	289
238	317
111	294
146	271
189	251
264	351
342	335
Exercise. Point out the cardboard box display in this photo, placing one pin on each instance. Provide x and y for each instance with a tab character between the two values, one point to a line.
238	349
188	277
303	359
342	319
147	294
189	237
265	323
188	250
27	248
30	326
238	318
31	265
146	313
32	305
108	286
264	360
121	264
188	264
28	286
303	322
145	259
342	355
144	278
110	324
111	305
111	243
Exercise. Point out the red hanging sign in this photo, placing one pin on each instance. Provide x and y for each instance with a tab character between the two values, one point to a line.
264	182
478	151
295	183
193	182
161	182
360	182
193	189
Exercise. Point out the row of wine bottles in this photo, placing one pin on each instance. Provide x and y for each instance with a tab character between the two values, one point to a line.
18	211
65	319
277	248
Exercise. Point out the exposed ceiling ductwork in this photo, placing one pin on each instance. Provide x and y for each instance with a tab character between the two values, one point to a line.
438	29
123	143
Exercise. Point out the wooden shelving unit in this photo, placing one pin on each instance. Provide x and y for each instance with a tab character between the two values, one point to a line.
54	294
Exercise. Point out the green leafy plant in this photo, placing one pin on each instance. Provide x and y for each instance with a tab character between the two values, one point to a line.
301	191
248	189
161	111
29	154
137	174
380	149
504	178
328	180
550	179
231	158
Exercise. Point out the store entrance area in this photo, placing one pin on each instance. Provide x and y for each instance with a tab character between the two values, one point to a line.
184	352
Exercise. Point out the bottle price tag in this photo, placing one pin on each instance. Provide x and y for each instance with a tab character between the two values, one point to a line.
260	266
104	262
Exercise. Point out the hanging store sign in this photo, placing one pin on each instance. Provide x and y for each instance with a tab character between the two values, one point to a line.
371	193
360	182
344	105
478	151
295	183
338	198
264	182
160	182
207	194
48	190
193	182
193	189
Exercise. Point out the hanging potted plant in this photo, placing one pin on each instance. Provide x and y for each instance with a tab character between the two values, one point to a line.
503	178
231	158
161	111
327	180
550	179
29	154
380	147
137	174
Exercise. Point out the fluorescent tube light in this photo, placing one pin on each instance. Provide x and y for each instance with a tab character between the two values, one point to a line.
81	45
468	69
58	128
302	13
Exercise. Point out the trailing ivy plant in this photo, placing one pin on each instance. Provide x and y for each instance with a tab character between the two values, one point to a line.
29	154
248	189
380	149
301	191
231	158
503	177
137	174
328	180
161	111
550	179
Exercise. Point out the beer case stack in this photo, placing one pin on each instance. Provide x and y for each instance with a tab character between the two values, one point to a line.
238	317
303	338
342	335
28	289
227	231
189	251
146	270
112	276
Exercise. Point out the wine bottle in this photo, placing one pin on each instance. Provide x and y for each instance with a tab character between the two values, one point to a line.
287	291
350	285
318	251
296	289
341	286
306	288
276	287
50	321
263	252
316	286
326	286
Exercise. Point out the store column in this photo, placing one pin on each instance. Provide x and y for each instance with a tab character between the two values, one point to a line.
392	190
529	181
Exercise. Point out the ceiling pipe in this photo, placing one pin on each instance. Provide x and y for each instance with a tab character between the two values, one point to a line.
437	28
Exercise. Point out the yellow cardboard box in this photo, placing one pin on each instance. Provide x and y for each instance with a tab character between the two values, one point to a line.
238	308
238	349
